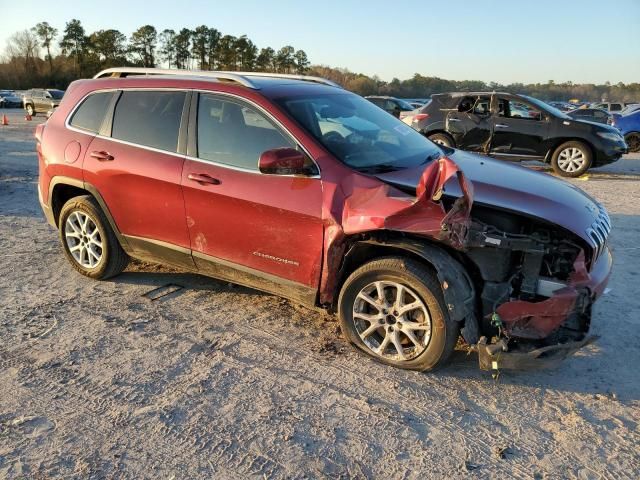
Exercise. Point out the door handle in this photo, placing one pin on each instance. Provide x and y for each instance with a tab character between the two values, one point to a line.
203	178
102	156
454	119
501	125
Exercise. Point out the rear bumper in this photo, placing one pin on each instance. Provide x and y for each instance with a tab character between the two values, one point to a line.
46	209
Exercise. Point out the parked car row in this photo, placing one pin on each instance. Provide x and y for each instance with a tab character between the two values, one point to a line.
395	106
591	115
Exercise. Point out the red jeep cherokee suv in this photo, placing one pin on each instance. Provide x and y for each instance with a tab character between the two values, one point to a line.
297	187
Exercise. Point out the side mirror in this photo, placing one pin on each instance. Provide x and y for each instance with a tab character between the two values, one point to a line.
283	161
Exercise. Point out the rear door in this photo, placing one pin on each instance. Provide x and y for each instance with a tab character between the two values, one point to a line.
137	168
519	129
266	227
469	124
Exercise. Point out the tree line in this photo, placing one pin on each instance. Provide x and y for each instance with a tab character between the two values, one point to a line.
44	57
420	86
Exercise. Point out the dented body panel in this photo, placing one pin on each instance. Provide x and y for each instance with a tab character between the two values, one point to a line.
497	236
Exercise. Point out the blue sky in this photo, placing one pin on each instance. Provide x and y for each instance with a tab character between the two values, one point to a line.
586	41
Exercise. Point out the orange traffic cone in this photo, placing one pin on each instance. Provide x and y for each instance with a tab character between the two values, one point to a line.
27	117
5	120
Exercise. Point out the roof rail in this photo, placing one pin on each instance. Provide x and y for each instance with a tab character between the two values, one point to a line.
238	77
120	72
304	78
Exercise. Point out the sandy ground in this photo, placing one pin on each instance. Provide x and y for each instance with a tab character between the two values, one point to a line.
217	381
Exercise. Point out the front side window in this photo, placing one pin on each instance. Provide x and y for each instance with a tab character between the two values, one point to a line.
358	133
235	134
91	112
149	118
515	109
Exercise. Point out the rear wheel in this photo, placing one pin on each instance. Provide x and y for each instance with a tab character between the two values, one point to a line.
393	310
571	159
30	110
441	139
633	141
88	240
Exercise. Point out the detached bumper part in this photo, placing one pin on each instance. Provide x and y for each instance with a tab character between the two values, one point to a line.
494	357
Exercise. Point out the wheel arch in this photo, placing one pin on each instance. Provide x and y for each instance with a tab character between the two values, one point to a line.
559	141
62	189
456	284
441	131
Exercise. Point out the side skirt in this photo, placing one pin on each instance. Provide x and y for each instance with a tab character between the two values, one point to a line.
161	252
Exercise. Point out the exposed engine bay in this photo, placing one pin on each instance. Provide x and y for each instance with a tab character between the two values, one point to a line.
530	275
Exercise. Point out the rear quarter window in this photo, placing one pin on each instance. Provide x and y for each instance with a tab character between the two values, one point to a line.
149	118
91	112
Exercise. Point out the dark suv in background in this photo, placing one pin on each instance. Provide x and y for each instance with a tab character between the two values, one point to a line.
518	127
40	100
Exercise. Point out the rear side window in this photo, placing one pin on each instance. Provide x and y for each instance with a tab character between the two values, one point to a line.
91	112
149	118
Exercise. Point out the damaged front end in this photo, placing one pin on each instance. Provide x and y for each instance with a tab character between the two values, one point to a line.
521	288
537	294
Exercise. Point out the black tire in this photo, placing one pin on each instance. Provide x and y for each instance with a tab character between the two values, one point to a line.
421	282
30	110
113	260
563	171
442	139
633	141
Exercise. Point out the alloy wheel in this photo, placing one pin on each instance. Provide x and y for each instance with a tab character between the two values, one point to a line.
83	239
633	142
571	159
392	320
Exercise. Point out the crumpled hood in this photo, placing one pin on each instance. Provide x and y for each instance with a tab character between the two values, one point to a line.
514	188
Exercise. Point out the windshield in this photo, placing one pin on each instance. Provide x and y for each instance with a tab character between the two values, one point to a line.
546	107
56	94
359	133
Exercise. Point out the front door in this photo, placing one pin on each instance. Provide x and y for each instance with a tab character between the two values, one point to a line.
138	170
254	229
519	129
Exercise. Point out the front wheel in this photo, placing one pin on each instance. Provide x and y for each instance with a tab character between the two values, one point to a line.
571	159
30	110
88	240
393	310
633	141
